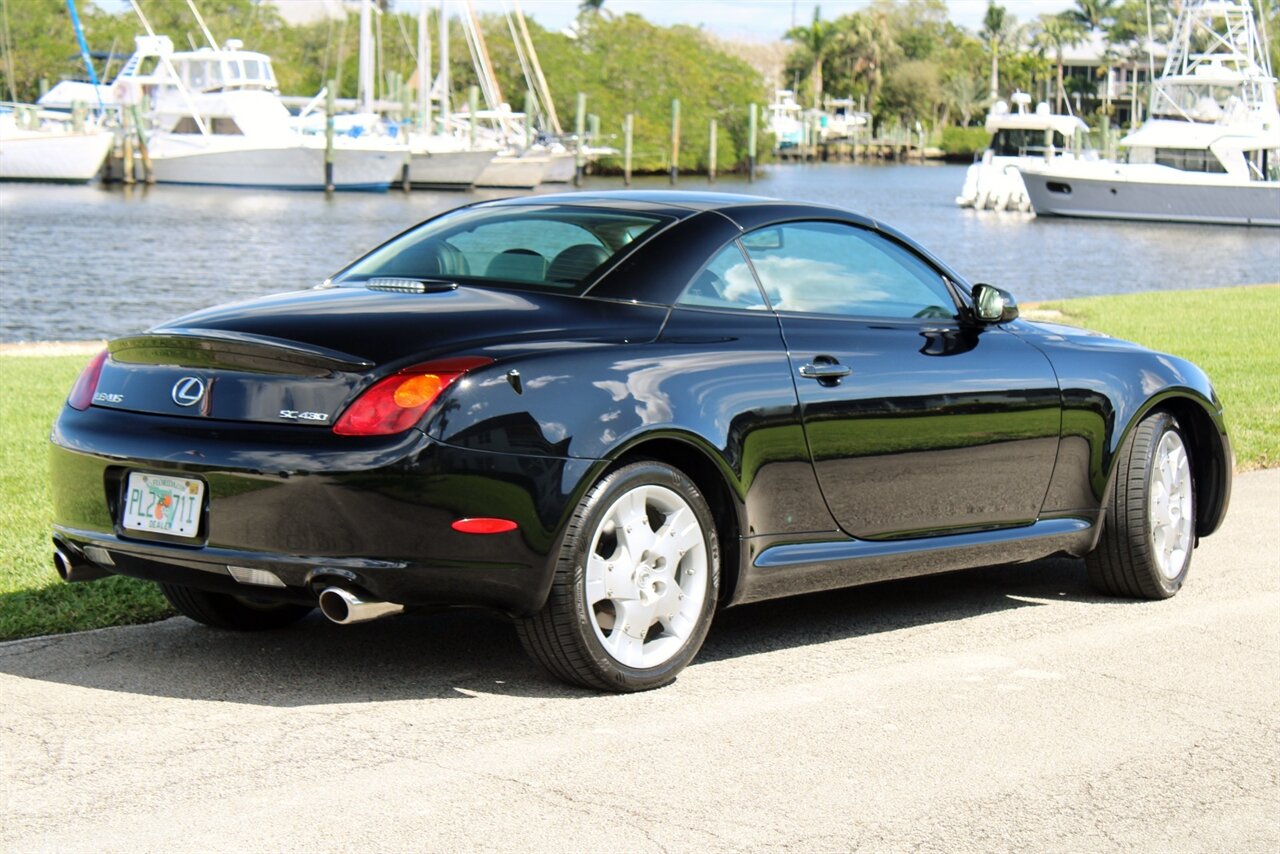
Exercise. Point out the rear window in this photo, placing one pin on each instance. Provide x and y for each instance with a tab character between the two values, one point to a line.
541	247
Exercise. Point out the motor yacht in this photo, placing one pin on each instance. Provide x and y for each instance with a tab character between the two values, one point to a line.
1019	137
1210	151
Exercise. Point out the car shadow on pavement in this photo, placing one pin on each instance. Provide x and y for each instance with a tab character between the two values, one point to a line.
460	654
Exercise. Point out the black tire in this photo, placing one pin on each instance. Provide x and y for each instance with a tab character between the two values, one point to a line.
568	636
224	611
1127	561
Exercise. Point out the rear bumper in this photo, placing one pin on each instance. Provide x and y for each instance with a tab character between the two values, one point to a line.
314	509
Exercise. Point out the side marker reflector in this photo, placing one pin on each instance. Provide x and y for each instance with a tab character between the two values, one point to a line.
484	525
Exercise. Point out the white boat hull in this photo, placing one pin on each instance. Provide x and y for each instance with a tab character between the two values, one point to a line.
994	184
562	169
520	173
52	156
299	167
1231	203
448	168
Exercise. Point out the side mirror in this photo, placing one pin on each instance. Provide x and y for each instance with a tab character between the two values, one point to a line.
993	305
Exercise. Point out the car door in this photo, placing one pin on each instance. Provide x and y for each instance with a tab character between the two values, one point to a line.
919	420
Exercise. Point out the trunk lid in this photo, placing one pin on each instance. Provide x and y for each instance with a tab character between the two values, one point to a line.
300	358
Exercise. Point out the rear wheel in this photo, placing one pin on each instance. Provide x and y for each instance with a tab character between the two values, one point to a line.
225	611
1149	531
635	583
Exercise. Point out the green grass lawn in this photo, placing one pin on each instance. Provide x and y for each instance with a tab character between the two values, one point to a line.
1230	332
33	601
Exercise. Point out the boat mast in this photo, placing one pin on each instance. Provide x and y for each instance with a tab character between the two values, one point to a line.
424	69
84	52
364	85
443	79
545	91
200	20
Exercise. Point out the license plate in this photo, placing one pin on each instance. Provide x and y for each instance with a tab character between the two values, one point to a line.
162	504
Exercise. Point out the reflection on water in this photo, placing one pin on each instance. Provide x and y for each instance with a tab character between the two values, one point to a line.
96	262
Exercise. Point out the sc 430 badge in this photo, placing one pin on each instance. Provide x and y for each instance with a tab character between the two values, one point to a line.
295	415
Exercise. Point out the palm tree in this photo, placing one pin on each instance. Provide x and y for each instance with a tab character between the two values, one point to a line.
818	40
1000	32
1093	15
1098	16
1057	33
867	38
964	95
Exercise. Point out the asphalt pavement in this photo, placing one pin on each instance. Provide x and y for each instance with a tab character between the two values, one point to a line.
995	709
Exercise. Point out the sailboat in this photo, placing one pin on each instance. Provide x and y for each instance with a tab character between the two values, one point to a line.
37	144
1210	151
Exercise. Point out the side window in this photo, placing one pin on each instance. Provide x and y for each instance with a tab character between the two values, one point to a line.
726	282
831	268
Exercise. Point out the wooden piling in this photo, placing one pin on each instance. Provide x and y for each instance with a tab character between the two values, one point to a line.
148	176
126	120
406	125
473	105
529	129
628	127
675	139
330	106
711	155
751	143
579	131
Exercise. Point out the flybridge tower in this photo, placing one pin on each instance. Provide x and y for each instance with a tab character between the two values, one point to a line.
1215	43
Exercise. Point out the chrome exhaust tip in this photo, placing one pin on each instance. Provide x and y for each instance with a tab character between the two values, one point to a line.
71	568
62	563
344	607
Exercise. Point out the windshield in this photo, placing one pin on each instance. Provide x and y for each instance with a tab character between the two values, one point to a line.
551	247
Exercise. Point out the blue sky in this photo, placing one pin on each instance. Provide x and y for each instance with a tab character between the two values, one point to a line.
757	20
754	20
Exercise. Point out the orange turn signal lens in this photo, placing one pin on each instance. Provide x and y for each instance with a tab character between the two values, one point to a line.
420	390
394	404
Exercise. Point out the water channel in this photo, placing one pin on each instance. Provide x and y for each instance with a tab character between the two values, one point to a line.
87	262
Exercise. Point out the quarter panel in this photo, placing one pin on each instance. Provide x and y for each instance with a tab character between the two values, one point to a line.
716	379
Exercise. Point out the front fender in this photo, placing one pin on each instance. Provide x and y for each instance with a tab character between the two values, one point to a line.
1108	386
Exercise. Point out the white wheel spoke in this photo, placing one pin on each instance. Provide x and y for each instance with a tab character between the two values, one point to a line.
680	534
624	648
609	579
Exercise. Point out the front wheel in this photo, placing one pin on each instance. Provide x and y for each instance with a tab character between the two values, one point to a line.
225	611
1149	529
635	583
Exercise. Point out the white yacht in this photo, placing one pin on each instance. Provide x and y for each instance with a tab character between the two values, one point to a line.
42	145
216	117
1019	137
785	120
1210	151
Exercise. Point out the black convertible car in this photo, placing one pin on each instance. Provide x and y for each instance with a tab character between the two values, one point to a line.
607	415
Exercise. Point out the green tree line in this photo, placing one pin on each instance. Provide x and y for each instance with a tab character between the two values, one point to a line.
903	59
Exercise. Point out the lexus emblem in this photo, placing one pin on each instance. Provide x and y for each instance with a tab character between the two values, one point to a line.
188	391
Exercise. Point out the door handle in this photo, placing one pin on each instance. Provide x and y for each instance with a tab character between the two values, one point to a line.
824	371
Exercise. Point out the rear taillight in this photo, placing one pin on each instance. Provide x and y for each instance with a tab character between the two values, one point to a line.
396	403
87	383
